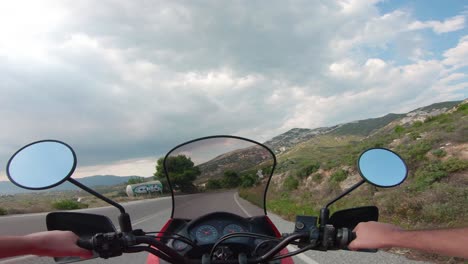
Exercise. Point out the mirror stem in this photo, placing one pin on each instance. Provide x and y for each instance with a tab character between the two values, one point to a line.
100	196
325	213
346	192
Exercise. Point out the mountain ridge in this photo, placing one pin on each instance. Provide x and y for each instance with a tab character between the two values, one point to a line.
364	127
6	187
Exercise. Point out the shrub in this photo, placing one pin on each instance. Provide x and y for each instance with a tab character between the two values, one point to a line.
454	165
3	211
417	124
439	153
399	129
463	108
306	171
414	135
339	176
68	204
291	183
248	180
317	177
213	184
415	152
230	179
330	164
427	174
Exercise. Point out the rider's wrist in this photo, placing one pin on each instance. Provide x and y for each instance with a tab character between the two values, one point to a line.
396	238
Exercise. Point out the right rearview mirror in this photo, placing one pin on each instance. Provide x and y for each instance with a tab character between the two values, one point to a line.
382	167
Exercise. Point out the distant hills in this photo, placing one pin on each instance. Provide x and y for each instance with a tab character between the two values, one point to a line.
7	187
364	128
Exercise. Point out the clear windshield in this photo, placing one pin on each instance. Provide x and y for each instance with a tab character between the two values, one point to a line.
206	174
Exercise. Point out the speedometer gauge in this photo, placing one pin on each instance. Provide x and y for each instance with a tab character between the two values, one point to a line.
206	234
232	228
179	245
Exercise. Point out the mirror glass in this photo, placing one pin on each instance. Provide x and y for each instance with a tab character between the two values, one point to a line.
41	165
382	167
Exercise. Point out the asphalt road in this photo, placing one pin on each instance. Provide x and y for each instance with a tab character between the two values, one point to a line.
151	215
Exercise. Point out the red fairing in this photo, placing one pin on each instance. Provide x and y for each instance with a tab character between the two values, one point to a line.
288	260
152	259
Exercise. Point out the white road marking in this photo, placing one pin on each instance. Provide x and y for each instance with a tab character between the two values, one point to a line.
240	206
291	248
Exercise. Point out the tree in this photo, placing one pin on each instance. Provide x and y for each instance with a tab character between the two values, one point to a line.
213	184
230	179
248	180
182	172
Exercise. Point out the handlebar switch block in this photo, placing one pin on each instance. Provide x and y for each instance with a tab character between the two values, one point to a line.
108	244
328	237
306	224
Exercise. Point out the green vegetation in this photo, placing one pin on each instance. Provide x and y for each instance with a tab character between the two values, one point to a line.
290	183
308	170
439	153
3	211
399	129
339	176
231	180
182	173
136	180
317	177
68	205
213	184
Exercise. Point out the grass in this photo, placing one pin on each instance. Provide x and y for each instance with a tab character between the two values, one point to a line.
68	204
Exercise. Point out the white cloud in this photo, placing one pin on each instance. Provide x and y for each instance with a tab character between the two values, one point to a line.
458	56
449	25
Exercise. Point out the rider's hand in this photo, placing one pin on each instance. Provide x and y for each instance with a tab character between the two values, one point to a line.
56	244
373	235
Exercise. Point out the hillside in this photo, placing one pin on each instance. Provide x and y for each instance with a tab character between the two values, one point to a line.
361	128
433	141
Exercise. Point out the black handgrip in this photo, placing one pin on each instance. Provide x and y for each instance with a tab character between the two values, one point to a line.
353	236
85	243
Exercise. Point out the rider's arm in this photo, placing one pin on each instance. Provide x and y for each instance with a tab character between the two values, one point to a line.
51	243
449	242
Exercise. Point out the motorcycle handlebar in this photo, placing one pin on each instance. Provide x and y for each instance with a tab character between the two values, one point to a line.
85	243
342	238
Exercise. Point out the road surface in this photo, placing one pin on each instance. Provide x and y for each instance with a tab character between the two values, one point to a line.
151	215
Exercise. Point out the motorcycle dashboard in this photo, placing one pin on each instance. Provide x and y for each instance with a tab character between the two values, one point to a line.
205	231
210	228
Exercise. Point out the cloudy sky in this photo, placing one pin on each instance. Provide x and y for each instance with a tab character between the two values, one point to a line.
124	81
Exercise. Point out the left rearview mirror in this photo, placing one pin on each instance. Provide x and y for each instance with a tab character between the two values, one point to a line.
41	165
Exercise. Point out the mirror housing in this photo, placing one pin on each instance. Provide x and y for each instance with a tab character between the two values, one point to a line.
82	224
350	218
382	167
41	165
